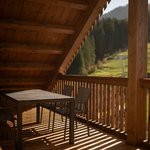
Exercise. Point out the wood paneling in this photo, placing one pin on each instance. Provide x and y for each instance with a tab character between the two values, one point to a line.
36	36
30	48
25	66
20	25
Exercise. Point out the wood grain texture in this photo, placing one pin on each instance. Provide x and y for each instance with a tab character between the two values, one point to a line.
36	38
137	69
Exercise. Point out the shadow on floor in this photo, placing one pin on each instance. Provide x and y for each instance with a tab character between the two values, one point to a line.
38	137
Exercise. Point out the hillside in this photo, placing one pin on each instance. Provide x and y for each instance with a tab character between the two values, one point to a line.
108	36
116	65
119	13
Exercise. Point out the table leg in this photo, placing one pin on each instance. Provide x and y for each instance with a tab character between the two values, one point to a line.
71	126
37	113
19	127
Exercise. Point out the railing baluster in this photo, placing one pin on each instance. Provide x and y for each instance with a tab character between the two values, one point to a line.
148	115
125	109
117	108
112	107
94	103
91	105
108	105
121	108
97	102
104	104
101	103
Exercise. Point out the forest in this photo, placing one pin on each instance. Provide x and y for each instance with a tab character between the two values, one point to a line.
108	37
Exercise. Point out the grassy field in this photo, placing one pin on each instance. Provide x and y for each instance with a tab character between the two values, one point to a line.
116	65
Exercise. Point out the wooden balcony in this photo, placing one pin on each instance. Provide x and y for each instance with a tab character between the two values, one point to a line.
107	108
36	44
37	136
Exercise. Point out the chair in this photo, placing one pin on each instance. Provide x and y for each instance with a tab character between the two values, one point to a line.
51	106
6	115
81	107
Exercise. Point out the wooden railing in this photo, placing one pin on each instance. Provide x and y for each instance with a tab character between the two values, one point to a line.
107	102
146	85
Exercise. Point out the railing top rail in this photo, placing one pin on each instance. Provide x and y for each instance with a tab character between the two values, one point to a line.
103	80
145	83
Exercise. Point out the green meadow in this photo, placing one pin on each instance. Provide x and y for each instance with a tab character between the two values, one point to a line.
116	65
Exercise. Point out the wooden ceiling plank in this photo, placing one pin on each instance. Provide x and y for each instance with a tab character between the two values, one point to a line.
78	4
29	48
17	88
23	79
26	66
22	83
71	4
14	24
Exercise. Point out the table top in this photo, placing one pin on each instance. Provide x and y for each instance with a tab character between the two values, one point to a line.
36	95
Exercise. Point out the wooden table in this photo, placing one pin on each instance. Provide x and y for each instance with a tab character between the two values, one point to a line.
38	96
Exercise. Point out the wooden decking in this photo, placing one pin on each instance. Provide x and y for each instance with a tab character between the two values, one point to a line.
37	136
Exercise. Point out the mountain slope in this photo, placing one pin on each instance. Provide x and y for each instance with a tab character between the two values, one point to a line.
119	13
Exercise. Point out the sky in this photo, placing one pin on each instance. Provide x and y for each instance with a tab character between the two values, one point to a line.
116	3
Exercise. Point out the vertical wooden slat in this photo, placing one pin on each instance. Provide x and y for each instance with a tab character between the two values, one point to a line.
79	83
67	82
97	101
73	84
56	88
62	85
104	104
94	102
101	103
149	115
85	86
89	104
59	86
108	105
75	88
117	108
112	107
92	109
60	82
121	108
125	109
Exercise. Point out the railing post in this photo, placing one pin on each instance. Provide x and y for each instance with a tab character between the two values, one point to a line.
137	65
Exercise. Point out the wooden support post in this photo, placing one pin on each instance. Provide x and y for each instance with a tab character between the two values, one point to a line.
137	65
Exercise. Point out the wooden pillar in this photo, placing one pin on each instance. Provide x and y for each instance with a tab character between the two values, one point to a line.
137	69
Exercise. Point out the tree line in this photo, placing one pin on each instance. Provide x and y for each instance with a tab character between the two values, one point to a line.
108	37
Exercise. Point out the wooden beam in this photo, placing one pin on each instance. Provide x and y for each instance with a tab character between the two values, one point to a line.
26	66
28	48
137	70
20	88
22	25
22	81
77	4
71	4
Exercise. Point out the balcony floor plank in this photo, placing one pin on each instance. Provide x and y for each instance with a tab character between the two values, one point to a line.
37	136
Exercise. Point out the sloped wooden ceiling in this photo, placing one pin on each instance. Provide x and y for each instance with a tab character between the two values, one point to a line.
39	38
